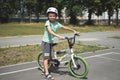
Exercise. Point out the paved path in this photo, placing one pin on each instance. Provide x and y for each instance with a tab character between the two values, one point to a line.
101	38
94	38
103	65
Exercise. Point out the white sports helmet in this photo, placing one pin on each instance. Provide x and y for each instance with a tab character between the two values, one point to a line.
52	9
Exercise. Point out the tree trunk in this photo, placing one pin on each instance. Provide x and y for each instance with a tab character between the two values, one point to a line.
117	12
30	15
89	22
22	11
37	15
22	17
109	17
109	20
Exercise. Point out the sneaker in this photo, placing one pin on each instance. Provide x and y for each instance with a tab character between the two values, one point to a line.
49	77
43	74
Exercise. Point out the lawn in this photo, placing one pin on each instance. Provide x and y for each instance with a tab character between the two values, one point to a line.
14	55
115	37
23	29
19	29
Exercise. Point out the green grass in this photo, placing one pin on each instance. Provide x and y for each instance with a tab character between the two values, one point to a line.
20	29
14	55
115	37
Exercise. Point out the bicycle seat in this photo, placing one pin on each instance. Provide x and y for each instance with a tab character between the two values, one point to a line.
54	44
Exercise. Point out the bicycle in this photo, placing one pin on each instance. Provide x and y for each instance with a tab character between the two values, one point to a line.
77	65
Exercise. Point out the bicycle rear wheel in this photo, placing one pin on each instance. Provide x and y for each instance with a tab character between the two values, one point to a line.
39	61
82	67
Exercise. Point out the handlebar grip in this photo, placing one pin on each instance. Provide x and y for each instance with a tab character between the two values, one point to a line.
77	34
66	38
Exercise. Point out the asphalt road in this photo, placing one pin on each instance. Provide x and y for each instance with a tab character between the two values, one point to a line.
103	65
94	38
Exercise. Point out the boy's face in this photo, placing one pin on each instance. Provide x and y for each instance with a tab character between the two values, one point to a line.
52	17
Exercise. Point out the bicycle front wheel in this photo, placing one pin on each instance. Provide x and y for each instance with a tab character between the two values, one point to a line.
81	70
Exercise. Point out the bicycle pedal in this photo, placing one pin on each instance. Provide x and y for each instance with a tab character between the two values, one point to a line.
52	62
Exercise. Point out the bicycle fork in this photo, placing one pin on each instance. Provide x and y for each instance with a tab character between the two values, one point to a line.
72	57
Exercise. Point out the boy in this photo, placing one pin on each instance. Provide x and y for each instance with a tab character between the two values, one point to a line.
51	26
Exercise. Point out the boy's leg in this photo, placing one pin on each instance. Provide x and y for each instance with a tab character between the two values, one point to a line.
46	66
47	74
46	50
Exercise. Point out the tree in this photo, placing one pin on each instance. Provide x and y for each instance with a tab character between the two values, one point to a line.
30	5
7	9
99	9
75	8
93	6
117	7
109	6
39	6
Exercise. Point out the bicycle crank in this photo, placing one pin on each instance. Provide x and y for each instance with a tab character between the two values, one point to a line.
55	62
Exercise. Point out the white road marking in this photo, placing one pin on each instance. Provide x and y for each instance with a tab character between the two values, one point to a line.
17	64
98	55
17	71
116	53
109	58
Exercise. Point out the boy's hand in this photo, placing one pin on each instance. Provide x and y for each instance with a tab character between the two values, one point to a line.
75	32
62	38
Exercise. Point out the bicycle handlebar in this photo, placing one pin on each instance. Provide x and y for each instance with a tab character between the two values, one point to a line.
71	40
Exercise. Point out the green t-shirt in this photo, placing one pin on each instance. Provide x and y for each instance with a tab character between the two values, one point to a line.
47	37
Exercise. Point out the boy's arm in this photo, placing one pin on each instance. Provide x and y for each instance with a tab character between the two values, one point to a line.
54	34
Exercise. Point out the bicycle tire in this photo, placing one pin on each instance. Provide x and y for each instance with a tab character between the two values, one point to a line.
39	61
78	73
